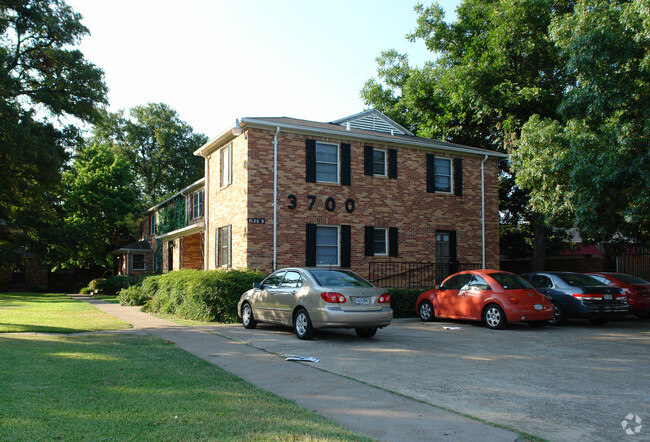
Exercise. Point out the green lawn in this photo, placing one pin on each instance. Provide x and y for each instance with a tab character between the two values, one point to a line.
128	387
52	313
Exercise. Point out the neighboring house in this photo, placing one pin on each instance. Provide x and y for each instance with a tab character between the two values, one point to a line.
361	193
171	235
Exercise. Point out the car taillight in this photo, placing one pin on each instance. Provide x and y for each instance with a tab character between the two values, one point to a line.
513	300
588	297
333	297
620	297
384	299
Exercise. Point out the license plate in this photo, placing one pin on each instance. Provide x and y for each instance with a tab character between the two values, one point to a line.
361	300
539	307
607	297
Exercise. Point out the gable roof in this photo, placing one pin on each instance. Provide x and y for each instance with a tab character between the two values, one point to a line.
373	120
354	131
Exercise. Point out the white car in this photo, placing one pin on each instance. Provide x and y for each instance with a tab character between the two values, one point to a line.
309	298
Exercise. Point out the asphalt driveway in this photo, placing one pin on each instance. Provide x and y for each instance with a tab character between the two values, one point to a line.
577	382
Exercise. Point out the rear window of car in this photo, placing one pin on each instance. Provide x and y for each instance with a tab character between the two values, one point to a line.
631	279
509	281
338	278
578	279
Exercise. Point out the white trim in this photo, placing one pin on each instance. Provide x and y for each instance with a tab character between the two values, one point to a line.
183	231
338	246
338	161
381	138
385	151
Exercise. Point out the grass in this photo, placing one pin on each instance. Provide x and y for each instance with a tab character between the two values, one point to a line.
52	313
133	387
128	387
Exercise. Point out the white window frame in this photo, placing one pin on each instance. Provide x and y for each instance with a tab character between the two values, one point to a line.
338	162
225	156
338	246
450	176
197	201
144	262
374	243
385	154
153	223
224	243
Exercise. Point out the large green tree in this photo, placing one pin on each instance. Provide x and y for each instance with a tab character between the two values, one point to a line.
496	67
159	145
590	166
42	78
98	198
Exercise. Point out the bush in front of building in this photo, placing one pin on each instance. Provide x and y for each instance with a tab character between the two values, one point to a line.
193	294
402	301
112	285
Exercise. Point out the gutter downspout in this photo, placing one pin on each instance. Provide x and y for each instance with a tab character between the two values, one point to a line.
483	209
275	197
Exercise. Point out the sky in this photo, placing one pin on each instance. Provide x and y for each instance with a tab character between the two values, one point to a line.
214	60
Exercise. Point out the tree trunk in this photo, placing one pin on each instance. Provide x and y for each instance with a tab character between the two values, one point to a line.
538	260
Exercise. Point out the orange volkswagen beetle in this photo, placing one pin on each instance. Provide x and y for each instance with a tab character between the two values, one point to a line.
491	296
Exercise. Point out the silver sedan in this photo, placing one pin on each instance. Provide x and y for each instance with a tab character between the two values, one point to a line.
309	298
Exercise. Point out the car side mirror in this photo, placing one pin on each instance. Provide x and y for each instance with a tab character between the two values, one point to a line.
439	287
257	285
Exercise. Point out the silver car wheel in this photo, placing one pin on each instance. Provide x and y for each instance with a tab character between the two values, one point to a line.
247	316
426	311
494	317
302	325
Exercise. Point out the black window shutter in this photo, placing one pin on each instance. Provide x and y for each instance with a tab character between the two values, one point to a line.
392	241
431	173
346	246
369	241
458	176
392	163
453	254
310	173
367	160
310	252
345	164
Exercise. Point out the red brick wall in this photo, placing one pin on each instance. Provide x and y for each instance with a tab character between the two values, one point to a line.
379	201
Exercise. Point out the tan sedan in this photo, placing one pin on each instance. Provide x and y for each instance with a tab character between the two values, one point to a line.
309	298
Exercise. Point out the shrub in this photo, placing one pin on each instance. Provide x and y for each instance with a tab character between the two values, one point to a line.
84	291
403	301
193	294
95	284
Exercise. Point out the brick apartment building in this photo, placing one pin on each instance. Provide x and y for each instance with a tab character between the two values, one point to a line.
361	192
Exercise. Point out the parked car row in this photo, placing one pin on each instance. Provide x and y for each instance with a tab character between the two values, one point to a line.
309	298
498	299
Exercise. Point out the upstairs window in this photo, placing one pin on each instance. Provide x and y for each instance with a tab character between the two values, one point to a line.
379	162
225	156
327	162
197	200
442	170
152	224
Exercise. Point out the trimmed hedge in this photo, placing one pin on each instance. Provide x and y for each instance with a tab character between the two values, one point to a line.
193	294
403	302
112	285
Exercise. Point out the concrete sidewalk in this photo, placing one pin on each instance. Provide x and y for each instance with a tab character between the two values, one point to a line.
361	407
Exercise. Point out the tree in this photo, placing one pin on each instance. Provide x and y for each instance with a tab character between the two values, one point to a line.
42	78
159	145
590	166
98	198
496	67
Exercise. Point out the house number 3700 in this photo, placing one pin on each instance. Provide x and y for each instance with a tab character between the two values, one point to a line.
330	203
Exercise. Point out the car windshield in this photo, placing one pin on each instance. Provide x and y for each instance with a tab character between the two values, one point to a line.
631	279
338	278
578	279
510	281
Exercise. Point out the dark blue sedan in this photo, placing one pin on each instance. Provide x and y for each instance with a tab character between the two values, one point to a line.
575	295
